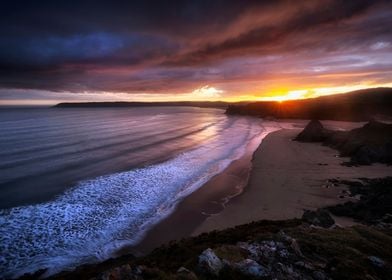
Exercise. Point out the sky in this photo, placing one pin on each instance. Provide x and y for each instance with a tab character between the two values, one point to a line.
55	51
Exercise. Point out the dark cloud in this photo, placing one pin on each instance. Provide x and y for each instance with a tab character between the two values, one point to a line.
169	17
303	21
174	46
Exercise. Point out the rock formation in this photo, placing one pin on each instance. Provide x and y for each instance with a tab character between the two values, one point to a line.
313	132
365	145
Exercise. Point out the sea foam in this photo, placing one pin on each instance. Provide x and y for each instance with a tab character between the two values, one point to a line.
91	221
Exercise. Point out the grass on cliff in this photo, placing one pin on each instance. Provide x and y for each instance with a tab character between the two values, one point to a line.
345	251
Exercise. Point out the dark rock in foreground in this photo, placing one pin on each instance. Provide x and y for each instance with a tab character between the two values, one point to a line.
319	218
261	250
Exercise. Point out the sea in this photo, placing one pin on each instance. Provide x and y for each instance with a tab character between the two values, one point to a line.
78	184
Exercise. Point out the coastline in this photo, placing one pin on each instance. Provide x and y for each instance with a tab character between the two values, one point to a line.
250	190
207	201
287	178
270	198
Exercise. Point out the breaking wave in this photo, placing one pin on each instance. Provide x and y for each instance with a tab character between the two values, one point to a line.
91	221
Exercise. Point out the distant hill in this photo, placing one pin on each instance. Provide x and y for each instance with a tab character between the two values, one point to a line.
358	105
202	104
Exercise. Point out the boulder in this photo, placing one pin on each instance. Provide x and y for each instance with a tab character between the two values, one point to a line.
319	275
319	218
209	262
185	274
251	268
376	261
260	251
295	247
231	253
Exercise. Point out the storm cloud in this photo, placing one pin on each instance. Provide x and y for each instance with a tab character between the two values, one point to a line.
171	47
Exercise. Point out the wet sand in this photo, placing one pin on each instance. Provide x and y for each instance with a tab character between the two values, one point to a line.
275	180
193	210
288	177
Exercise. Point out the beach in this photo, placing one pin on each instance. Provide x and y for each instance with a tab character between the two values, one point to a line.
257	196
275	180
288	177
206	201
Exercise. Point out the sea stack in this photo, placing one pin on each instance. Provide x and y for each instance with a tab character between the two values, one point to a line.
313	132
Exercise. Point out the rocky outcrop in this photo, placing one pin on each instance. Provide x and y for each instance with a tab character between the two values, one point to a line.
265	259
374	205
249	267
368	144
365	145
185	274
313	132
376	261
319	218
209	262
290	249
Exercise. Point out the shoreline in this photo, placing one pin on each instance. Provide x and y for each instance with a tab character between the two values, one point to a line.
287	178
193	210
228	198
269	196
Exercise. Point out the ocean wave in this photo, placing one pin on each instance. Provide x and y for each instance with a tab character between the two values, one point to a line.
91	221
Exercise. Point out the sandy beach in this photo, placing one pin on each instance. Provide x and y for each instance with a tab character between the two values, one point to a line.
194	209
276	180
272	183
286	178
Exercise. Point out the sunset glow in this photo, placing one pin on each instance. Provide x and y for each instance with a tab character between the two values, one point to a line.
316	92
195	139
204	51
